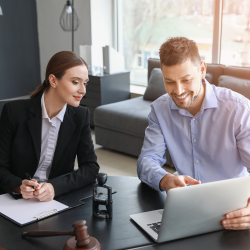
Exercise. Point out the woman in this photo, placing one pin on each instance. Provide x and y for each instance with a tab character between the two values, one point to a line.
42	136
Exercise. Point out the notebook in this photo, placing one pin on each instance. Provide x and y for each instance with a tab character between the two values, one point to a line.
23	212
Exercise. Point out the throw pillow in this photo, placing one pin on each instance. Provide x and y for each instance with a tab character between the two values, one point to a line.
155	86
242	86
209	77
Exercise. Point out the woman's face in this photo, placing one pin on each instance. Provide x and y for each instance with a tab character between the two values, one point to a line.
72	87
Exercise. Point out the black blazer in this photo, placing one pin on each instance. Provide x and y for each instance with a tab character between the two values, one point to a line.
20	146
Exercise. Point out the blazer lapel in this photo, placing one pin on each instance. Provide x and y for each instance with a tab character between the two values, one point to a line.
35	125
65	133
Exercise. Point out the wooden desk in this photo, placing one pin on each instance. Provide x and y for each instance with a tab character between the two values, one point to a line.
119	232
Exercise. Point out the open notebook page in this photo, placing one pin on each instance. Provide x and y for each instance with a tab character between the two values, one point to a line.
24	211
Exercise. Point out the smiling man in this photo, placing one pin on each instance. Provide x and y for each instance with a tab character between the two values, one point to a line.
205	128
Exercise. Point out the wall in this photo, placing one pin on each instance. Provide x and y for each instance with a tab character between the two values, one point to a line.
19	53
31	28
52	38
95	28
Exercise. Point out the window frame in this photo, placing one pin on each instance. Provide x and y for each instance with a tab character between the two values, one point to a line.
217	30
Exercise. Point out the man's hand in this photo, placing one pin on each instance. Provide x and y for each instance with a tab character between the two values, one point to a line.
238	219
172	181
45	192
26	189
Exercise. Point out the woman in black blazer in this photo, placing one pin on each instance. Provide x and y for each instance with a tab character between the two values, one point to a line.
43	135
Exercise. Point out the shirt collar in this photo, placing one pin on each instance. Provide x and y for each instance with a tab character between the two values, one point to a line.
209	101
60	115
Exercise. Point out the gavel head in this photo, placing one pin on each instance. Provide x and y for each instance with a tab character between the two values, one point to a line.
81	233
82	240
102	178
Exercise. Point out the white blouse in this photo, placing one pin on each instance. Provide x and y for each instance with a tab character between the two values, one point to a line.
50	129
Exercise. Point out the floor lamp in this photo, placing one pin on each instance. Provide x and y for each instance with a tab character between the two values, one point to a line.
69	20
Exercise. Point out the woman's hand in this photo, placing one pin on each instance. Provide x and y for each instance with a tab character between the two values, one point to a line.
27	190
45	192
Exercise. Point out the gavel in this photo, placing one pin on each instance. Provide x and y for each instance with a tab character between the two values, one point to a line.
81	241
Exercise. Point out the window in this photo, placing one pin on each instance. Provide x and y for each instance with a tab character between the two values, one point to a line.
235	43
149	23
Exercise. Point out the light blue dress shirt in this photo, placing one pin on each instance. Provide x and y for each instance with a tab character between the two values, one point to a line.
210	146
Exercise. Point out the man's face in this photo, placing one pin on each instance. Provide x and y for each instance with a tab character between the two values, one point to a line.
183	82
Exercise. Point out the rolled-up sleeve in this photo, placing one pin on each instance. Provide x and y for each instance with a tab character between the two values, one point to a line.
153	154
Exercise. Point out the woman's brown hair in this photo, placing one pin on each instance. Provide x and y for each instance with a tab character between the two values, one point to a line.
57	66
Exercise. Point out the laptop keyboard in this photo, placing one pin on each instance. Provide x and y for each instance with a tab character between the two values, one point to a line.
155	226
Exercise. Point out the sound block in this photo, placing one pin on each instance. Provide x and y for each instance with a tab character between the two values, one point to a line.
92	245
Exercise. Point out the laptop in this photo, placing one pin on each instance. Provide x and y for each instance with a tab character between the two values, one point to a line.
194	210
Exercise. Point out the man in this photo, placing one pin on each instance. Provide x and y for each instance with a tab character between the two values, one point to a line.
205	128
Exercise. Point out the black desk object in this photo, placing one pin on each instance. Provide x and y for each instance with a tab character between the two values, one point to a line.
102	195
119	232
105	89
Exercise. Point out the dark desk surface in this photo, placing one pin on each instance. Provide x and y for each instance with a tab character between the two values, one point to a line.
225	239
119	232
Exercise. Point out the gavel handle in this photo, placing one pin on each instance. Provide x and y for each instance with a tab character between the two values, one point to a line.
44	233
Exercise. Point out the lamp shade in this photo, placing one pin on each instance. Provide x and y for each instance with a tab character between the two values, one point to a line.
66	18
1	12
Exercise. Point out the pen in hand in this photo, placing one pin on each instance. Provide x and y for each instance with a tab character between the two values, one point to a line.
29	178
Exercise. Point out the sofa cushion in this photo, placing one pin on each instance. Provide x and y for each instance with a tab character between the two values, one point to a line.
240	72
216	70
129	116
156	87
239	85
209	77
153	63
